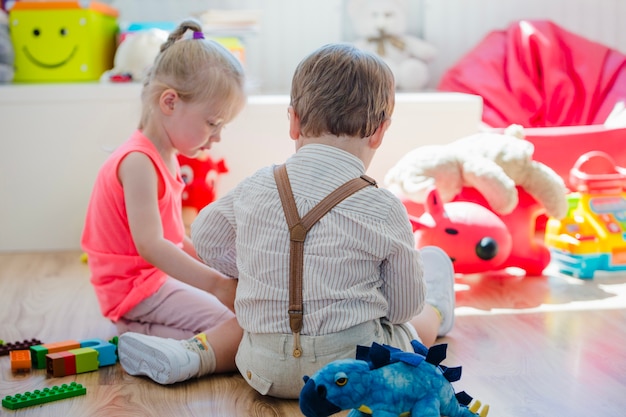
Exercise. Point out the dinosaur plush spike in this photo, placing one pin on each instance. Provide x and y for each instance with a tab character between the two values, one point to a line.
379	356
452	374
419	348
386	384
362	353
436	354
463	398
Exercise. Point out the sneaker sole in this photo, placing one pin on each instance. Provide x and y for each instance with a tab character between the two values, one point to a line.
137	357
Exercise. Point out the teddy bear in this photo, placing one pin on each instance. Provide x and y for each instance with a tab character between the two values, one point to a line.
135	54
6	50
380	26
495	170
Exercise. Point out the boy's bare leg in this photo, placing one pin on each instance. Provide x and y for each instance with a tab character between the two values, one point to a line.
427	325
224	340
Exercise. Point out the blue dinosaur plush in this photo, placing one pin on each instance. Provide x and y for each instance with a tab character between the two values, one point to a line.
384	381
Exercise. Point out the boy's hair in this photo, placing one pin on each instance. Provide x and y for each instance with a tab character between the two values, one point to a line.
343	91
197	69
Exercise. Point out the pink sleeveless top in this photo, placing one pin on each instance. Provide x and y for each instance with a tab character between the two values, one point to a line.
122	278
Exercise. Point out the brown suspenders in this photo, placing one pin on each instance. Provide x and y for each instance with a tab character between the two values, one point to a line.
298	228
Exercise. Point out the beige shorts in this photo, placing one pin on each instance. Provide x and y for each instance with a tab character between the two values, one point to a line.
268	365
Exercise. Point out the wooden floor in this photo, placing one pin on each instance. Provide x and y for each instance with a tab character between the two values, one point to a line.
542	346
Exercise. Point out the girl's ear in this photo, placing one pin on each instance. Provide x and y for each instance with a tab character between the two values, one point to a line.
168	101
294	123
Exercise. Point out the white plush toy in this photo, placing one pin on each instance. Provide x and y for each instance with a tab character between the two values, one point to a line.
136	53
6	50
381	27
493	163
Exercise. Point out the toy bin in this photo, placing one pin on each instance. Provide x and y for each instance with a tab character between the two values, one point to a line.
61	41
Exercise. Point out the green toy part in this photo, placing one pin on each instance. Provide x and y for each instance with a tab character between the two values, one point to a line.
45	395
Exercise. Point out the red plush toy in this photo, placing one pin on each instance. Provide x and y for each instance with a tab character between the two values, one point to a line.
496	171
474	237
200	175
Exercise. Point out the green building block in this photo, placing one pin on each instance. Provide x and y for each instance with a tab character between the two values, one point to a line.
45	395
86	359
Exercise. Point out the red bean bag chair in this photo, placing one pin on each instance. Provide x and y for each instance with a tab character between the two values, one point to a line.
560	86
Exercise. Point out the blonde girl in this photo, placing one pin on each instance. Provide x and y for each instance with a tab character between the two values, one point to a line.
144	269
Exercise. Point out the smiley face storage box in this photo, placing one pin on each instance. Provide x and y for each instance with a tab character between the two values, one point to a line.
62	41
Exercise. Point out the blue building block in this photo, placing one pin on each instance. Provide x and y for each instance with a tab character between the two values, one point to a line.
106	350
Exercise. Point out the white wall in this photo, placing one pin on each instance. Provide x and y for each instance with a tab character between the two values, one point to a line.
55	137
289	29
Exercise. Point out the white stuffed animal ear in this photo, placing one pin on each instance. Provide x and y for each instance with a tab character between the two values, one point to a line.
423	168
548	188
491	181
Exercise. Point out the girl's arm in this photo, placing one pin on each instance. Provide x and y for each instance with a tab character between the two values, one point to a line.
188	247
139	179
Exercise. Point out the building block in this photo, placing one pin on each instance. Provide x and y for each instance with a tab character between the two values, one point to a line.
45	395
86	359
20	360
5	348
60	364
106	350
71	362
39	352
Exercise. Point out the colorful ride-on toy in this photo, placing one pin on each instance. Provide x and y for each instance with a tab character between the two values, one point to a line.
592	236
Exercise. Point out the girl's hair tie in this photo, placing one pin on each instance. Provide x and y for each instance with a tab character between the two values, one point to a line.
198	35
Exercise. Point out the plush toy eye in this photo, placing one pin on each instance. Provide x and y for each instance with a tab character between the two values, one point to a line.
487	248
341	379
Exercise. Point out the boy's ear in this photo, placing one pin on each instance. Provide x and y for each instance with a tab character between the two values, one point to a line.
168	100
294	123
377	138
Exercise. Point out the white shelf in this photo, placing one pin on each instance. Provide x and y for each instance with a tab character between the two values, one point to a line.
56	136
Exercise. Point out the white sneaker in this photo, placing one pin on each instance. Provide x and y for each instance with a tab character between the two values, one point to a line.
439	279
165	361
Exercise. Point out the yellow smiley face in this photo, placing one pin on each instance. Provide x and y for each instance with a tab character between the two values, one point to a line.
51	45
62	44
